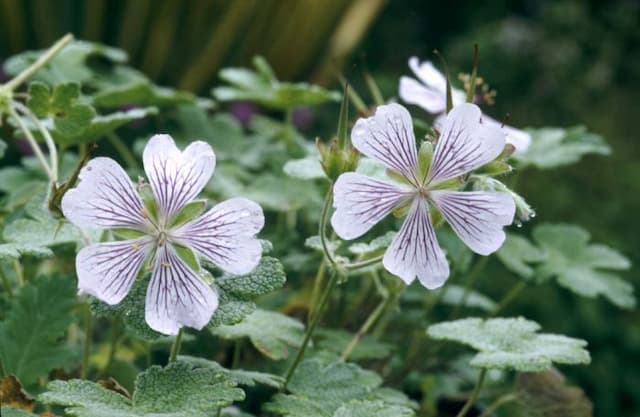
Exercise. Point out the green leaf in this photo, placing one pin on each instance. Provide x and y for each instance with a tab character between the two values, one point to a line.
131	310
319	390
73	64
369	347
31	335
141	92
375	247
261	87
554	147
582	267
14	251
236	292
240	376
512	343
517	253
273	334
453	295
282	193
99	126
308	168
69	116
7	411
177	390
3	148
372	409
39	229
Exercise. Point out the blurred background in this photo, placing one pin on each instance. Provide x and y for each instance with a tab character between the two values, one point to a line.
553	63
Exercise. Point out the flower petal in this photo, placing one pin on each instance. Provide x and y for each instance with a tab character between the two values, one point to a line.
107	270
225	235
103	198
388	138
465	144
518	138
176	295
415	250
361	202
176	177
477	217
430	76
413	92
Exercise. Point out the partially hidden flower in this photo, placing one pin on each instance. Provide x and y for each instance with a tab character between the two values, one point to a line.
168	235
477	217
429	92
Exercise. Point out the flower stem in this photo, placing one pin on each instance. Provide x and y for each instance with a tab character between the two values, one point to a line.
474	395
32	141
314	322
317	286
509	297
175	348
363	263
373	317
6	284
88	332
40	62
51	146
471	280
322	229
113	345
19	273
512	396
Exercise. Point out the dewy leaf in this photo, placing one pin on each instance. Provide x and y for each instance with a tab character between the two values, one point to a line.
273	334
240	376
177	390
511	343
8	411
131	310
31	342
553	147
319	390
376	246
237	291
14	251
454	294
308	168
582	267
39	229
517	253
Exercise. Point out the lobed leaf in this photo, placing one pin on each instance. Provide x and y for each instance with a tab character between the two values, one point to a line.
511	343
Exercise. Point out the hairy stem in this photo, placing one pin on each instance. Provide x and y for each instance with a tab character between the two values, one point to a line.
175	348
509	297
317	287
312	326
51	146
474	394
32	141
471	280
88	332
373	317
6	283
40	62
363	263
488	412
322	229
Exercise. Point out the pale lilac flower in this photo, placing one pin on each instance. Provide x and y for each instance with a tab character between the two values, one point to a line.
430	93
177	296
477	217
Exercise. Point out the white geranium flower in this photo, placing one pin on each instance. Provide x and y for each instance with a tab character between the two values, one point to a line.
431	94
177	296
477	217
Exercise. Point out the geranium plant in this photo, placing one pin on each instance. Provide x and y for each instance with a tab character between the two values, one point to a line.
299	280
